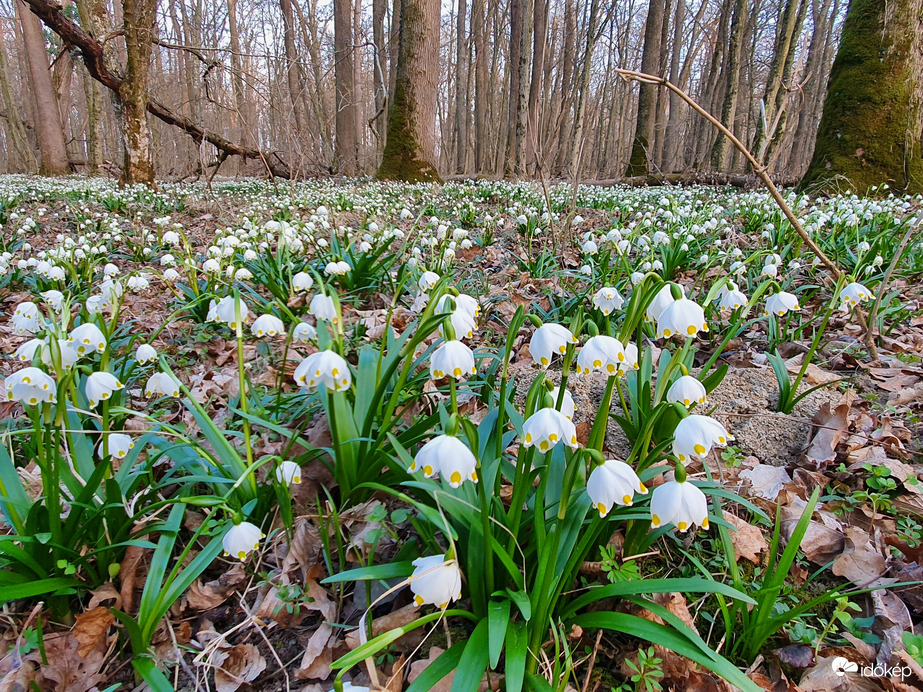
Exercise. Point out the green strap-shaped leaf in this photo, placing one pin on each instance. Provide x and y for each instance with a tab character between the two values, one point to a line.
473	661
517	649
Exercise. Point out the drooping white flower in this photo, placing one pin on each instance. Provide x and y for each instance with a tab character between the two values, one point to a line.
682	504
267	325
854	294
590	248
548	340
732	297
324	367
683	317
26	318
138	283
547	427
695	436
30	386
304	333
226	311
462	301
449	457
781	303
66	352
241	540
302	282
428	281
87	338
54	298
211	266
568	407
289	473
601	353
660	302
631	357
119	445
145	354
687	391
607	299
463	323
26	352
100	386
435	581
161	383
452	359
324	308
613	483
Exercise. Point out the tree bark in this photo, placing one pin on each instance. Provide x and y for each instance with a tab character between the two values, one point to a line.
579	115
379	71
567	89
540	39
671	145
461	87
481	58
293	67
411	148
870	130
20	155
347	115
513	69
647	94
138	18
729	108
48	129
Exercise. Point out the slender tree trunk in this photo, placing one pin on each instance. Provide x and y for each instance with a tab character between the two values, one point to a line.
138	18
567	89
461	86
514	72
871	128
729	108
347	113
672	134
20	154
481	58
48	129
292	67
584	89
540	39
647	93
379	70
411	148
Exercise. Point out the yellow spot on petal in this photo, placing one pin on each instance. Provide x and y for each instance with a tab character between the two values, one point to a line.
241	555
699	449
528	437
418	599
602	509
704	523
643	488
428	470
544	361
626	499
655	521
597	363
682	526
455	478
691	330
667	332
544	445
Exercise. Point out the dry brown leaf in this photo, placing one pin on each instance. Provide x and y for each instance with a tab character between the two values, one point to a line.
749	541
830	425
861	562
91	629
71	672
212	594
822	678
315	663
128	575
417	668
240	664
398	618
766	481
907	396
823	539
106	592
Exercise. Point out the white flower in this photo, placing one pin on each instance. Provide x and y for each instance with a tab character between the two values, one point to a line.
87	338
613	483
603	353
225	311
241	540
161	383
452	359
211	265
687	390
463	323
428	281
110	270
586	270
449	457
145	354
435	581
304	333
590	248
660	302
171	238
853	294
323	308
119	445
607	299
289	473
770	270
171	275
26	351
138	283
68	355
100	386
462	302
695	435
682	504
864	246
732	298
54	298
26	318
547	340
568	407
631	357
267	325
780	303
302	282
683	317
30	386
546	427
324	367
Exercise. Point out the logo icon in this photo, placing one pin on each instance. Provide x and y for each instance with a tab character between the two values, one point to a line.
842	665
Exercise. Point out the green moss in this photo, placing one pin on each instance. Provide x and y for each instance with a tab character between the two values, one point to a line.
403	157
867	134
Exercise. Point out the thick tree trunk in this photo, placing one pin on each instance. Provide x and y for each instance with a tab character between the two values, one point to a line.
379	71
870	131
513	69
138	18
48	130
293	68
411	148
347	114
567	89
671	145
20	155
579	114
647	94
461	90
729	108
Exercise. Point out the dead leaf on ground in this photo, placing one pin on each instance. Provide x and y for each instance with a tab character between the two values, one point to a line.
398	618
813	375
766	481
91	629
208	595
417	668
823	539
830	428
749	541
128	575
240	664
66	667
318	655
823	678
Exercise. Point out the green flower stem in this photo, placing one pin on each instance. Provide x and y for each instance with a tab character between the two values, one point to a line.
618	387
521	487
818	335
453	394
488	535
241	376
598	433
281	379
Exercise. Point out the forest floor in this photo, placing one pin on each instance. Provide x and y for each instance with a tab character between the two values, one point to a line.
269	623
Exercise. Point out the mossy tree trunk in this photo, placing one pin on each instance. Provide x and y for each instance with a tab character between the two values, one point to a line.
651	59
138	18
410	151
870	130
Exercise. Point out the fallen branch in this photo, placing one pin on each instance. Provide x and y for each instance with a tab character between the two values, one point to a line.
92	52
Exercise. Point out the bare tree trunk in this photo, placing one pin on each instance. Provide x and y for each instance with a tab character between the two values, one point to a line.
647	93
729	108
567	71
672	134
393	46
514	72
347	145
292	67
21	158
461	85
577	147
48	130
138	19
533	132
411	148
660	124
379	71
481	58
